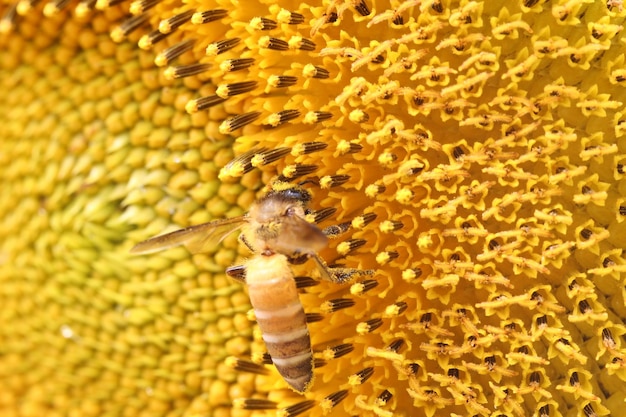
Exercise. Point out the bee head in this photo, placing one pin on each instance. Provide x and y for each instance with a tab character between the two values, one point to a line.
289	193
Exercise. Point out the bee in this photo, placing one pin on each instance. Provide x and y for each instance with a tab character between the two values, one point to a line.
276	231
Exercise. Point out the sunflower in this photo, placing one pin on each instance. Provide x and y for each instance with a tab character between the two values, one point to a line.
470	154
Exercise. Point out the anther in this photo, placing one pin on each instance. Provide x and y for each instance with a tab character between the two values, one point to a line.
146	42
167	56
305	282
262	23
396	345
219	47
306	148
233	89
275	44
237	64
291	18
368	326
313	317
323	214
383	398
168	25
207	16
333	399
337	304
363	220
281	81
312	71
173	73
296	409
254	404
389	226
298	170
233	123
141	6
203	103
362	8
246	366
339	350
344	147
361	376
330	181
313	117
348	246
364	286
129	25
277	119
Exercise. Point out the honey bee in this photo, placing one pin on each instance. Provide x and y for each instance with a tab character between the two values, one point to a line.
276	231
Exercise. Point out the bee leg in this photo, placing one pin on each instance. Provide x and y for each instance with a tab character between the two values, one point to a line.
237	272
242	239
338	275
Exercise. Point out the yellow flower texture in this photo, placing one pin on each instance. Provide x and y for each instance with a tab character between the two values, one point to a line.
470	153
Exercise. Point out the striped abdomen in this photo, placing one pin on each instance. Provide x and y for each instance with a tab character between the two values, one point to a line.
280	316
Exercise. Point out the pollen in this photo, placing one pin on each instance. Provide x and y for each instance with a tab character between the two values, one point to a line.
465	160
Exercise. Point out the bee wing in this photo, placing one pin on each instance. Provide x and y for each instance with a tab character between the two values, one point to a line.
298	235
198	238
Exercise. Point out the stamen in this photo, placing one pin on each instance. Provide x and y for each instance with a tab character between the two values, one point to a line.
168	25
237	64
275	44
182	71
281	81
246	366
262	23
362	287
337	304
303	44
313	317
85	7
306	148
277	119
298	170
312	71
363	220
338	351
383	398
332	400
233	89
323	214
362	8
24	6
203	103
148	41
254	404
7	22
219	47
296	409
167	56
368	326
230	125
138	7
54	7
348	246
208	16
291	18
361	376
128	26
305	282
330	181
313	117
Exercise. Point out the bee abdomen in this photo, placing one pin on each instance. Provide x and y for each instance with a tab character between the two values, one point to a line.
287	340
281	318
